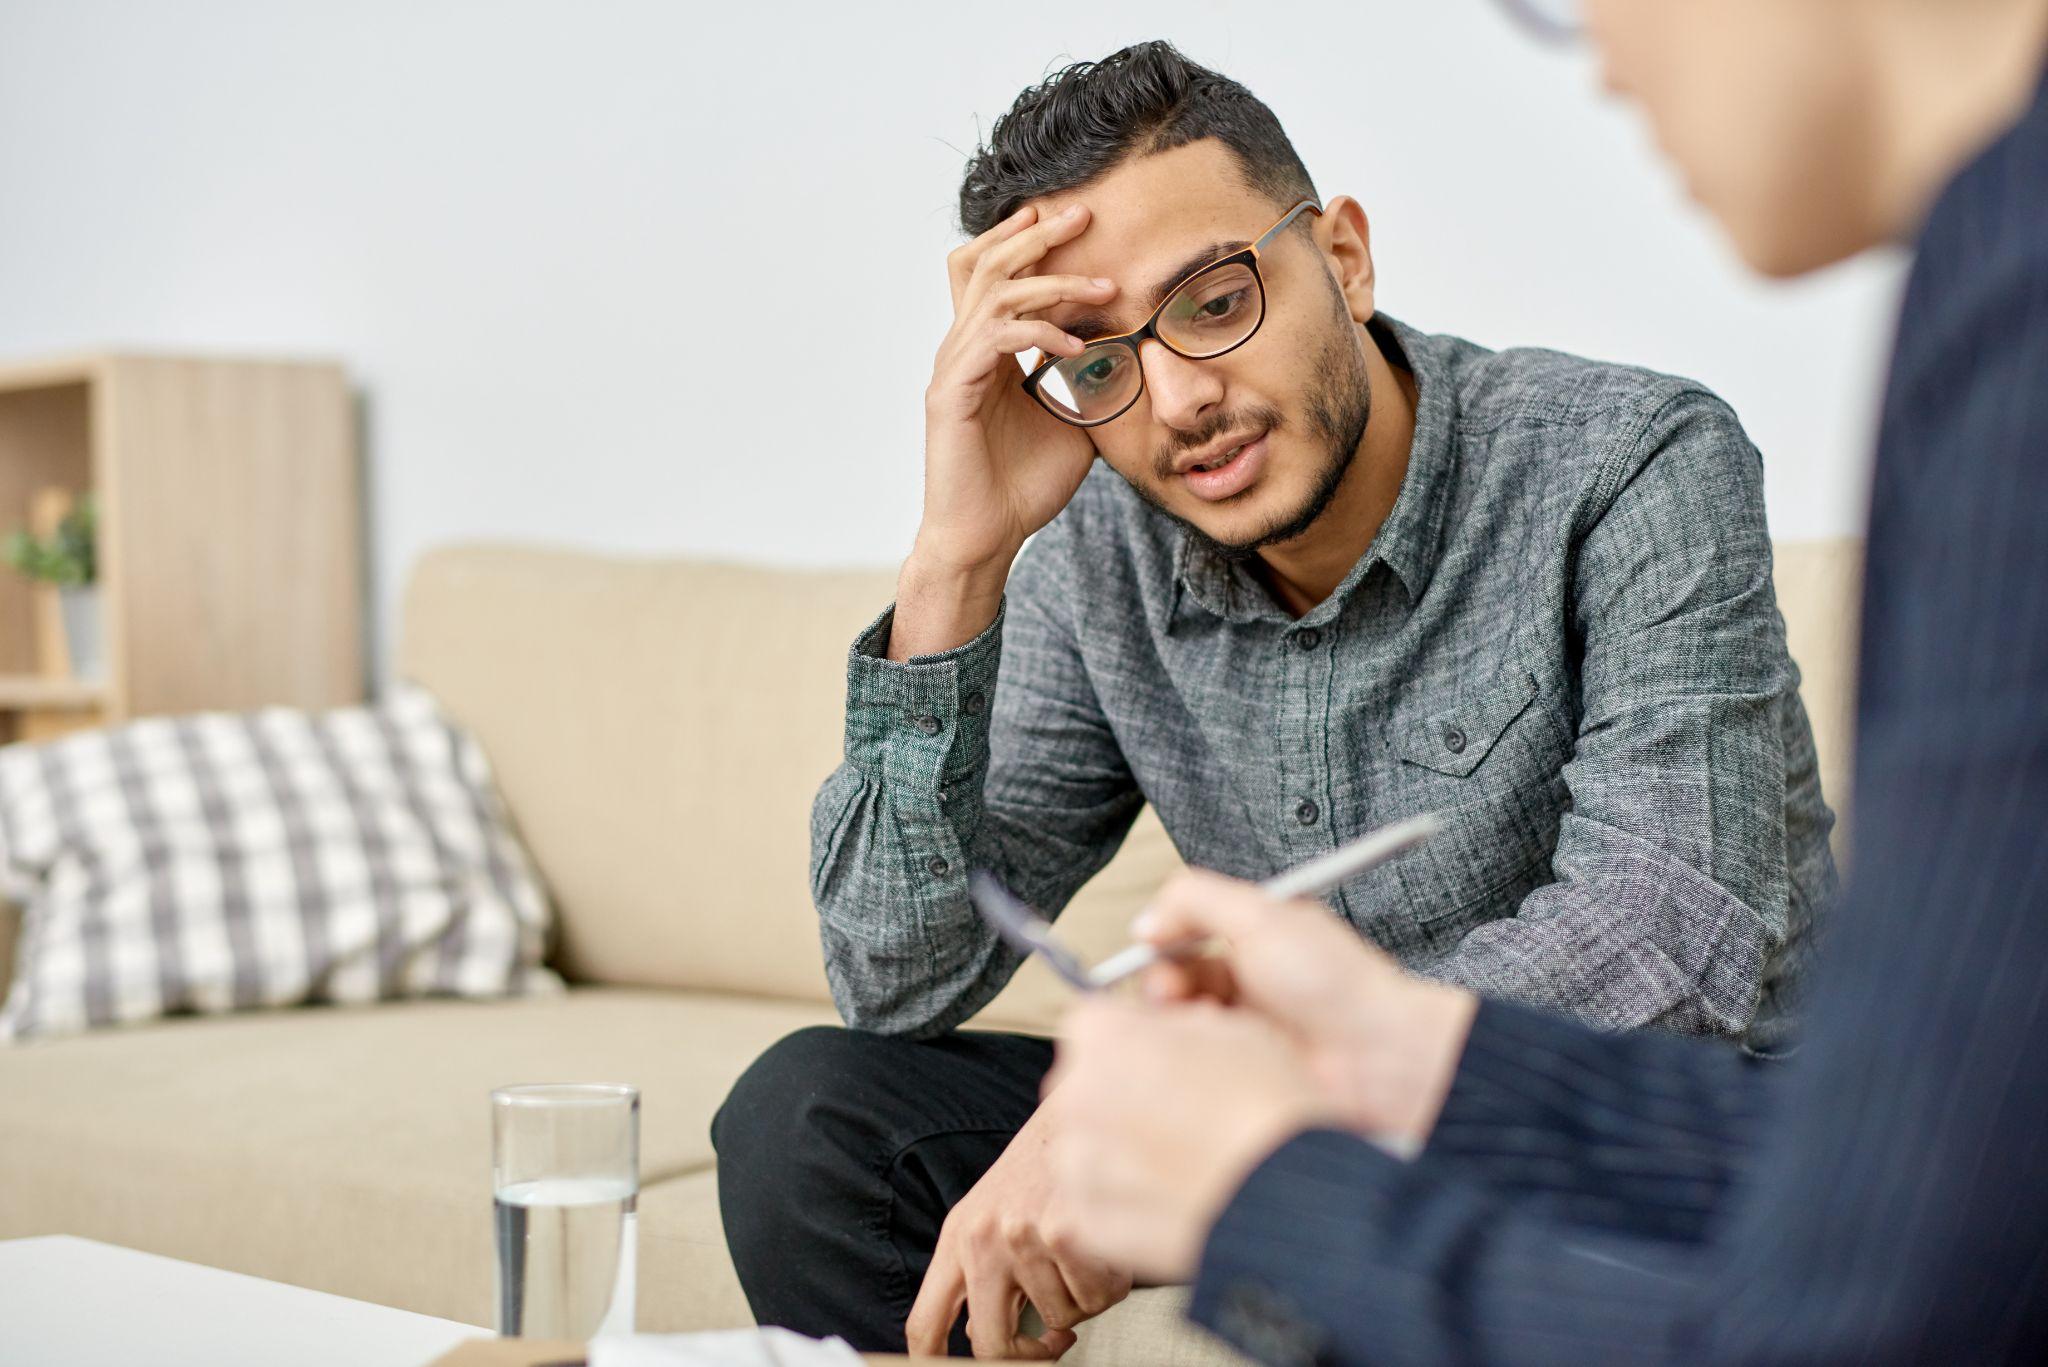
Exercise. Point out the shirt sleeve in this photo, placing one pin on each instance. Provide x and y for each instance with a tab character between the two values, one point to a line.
1657	1158
995	756
1671	892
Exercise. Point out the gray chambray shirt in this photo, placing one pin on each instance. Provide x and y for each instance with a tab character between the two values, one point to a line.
1563	638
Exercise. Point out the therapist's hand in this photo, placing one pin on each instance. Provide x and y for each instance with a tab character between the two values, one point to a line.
1383	1044
1166	1112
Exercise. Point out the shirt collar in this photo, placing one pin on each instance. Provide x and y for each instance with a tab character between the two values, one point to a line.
1409	540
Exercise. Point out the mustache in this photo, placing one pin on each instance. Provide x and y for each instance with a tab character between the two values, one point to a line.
1258	418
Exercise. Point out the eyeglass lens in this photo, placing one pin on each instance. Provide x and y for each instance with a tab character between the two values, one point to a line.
1206	316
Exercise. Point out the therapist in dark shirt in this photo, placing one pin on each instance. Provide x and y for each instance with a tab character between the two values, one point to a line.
1583	1197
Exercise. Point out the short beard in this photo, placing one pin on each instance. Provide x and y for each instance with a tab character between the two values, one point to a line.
1339	407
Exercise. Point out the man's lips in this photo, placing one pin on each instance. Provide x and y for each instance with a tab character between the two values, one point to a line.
1231	478
1214	452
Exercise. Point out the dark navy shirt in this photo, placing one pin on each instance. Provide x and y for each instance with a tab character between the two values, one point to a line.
1883	1196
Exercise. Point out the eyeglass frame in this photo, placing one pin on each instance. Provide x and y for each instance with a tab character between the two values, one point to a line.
1247	256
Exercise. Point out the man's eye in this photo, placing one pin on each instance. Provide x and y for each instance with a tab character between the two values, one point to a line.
1098	373
1222	306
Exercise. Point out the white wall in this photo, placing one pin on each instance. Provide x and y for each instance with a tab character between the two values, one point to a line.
663	277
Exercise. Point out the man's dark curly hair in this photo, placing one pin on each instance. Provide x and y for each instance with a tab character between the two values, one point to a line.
1084	119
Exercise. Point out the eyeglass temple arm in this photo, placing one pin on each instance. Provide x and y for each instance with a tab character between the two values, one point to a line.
1307	205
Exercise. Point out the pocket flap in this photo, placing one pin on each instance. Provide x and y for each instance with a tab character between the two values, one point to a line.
1454	740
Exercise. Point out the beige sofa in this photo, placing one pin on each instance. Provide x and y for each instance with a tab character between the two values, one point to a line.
658	729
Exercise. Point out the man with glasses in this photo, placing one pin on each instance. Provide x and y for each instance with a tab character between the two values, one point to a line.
1330	572
1587	1197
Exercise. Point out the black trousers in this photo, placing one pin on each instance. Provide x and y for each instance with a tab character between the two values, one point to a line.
839	1154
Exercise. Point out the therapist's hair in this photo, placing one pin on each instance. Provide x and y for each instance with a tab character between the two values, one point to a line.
1086	118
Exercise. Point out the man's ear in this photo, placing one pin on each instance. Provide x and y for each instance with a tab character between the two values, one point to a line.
1345	235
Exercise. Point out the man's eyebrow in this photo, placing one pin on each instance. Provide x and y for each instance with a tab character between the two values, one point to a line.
1094	323
1090	325
1215	251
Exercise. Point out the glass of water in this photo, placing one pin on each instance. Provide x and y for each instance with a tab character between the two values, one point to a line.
565	1172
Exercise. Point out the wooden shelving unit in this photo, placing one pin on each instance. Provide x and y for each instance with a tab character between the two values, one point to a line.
229	537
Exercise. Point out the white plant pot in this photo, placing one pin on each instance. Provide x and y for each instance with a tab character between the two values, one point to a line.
81	611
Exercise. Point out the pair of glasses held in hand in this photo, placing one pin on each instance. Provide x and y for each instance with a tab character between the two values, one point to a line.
1029	933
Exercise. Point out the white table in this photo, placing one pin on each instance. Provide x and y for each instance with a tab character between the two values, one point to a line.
69	1302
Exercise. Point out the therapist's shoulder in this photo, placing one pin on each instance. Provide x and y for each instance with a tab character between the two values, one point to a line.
1976	302
1990	217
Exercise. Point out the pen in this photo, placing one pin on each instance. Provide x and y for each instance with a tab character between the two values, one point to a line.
1318	876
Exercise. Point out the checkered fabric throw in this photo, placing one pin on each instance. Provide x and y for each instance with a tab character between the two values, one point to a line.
221	862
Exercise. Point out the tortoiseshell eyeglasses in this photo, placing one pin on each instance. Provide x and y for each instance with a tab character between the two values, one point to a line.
1213	311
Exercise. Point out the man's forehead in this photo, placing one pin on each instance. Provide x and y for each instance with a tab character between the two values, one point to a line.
1150	212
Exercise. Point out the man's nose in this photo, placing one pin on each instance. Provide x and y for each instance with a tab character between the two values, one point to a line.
1182	391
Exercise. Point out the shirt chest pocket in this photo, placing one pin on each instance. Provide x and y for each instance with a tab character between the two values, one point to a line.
1490	763
1456	740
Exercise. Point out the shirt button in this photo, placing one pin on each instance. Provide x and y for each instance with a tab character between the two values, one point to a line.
927	723
938	865
972	704
945	796
1307	812
1454	740
1310	639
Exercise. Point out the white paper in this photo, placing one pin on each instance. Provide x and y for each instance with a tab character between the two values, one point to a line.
733	1348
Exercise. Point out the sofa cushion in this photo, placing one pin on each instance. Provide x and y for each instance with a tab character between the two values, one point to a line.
10	926
659	729
345	1148
225	861
1820	594
348	1149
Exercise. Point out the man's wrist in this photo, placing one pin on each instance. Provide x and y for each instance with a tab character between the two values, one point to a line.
935	570
943	604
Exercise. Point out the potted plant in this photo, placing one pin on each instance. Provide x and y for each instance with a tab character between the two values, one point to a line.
67	559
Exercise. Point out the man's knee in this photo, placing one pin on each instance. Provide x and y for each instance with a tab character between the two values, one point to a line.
790	1109
780	1086
797	1153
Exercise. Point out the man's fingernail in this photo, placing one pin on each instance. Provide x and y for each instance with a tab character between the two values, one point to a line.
1145	924
1071	211
1103	284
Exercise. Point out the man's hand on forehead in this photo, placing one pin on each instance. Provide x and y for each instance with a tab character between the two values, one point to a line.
998	466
